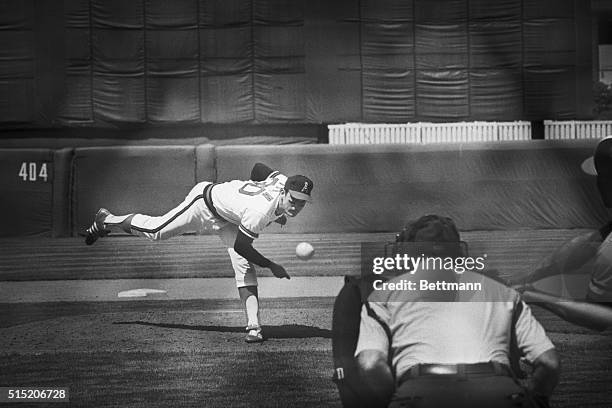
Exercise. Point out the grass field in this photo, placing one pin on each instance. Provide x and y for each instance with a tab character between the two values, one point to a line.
171	353
167	353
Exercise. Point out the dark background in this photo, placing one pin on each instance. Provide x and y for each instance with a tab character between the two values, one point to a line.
139	64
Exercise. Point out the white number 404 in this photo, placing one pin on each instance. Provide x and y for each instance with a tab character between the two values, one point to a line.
32	171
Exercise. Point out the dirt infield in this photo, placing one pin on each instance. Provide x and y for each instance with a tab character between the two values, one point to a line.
108	290
513	253
191	352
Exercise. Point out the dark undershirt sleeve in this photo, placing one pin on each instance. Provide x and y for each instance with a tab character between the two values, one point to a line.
244	247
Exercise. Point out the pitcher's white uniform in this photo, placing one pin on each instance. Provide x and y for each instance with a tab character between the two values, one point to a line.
249	204
237	211
224	208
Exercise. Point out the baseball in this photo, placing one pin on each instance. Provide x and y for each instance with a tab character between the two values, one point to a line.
304	251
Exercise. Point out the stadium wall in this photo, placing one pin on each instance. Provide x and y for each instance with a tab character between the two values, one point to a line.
31	190
80	63
501	185
147	180
358	188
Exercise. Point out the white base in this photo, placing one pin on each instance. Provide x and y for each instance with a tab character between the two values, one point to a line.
139	292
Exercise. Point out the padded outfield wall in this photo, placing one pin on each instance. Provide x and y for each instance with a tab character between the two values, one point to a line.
501	185
100	62
485	186
35	186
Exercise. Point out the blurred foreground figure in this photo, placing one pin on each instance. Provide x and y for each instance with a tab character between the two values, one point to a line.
588	254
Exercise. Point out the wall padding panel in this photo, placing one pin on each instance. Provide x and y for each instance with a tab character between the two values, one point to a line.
126	179
27	179
536	184
206	163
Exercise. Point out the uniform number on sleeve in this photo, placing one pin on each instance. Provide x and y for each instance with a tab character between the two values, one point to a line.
32	171
253	188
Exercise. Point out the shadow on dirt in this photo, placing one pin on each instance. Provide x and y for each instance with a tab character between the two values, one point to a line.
285	331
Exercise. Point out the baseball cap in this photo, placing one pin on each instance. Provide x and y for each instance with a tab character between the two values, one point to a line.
601	161
300	187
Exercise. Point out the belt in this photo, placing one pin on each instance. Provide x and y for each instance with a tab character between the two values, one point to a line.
209	203
420	370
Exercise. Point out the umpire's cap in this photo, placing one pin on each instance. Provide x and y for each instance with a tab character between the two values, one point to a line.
434	235
430	228
600	165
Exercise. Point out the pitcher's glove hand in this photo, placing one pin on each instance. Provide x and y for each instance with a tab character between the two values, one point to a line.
282	220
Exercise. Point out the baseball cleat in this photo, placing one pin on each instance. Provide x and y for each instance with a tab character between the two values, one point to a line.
254	335
97	229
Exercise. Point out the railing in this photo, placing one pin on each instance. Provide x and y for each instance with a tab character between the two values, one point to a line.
425	132
459	132
575	129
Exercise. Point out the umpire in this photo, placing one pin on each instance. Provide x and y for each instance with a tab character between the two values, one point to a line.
451	348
